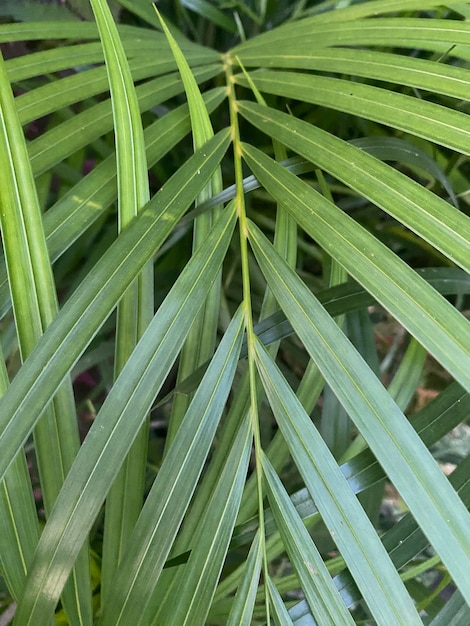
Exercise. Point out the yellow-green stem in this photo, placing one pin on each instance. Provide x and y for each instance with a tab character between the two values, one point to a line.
242	221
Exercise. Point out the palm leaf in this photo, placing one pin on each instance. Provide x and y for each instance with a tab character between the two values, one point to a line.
388	433
276	413
115	429
171	493
88	310
327	485
366	259
35	305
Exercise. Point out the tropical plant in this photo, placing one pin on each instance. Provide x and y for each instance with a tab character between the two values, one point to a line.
272	203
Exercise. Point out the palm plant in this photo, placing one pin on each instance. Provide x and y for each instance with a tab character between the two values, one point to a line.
266	201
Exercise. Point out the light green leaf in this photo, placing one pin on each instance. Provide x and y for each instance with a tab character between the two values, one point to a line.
359	545
418	73
79	208
80	319
241	613
138	48
34	301
445	126
333	30
83	128
394	442
135	309
280	614
116	426
347	10
191	597
382	273
408	375
200	342
76	88
316	583
429	216
20	529
173	488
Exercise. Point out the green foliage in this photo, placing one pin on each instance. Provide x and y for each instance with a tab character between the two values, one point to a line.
234	294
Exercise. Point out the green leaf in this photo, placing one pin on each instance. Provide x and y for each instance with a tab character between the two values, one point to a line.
142	9
173	488
200	342
135	309
20	528
358	543
428	216
398	288
241	612
394	442
316	583
22	10
363	471
280	614
138	48
341	28
408	375
80	207
83	128
115	428
66	91
437	123
211	13
82	316
194	591
404	70
404	152
405	540
455	612
34	301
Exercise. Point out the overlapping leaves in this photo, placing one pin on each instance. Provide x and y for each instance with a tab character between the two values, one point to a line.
313	62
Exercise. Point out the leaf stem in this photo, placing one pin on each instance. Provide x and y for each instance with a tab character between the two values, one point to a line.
250	336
